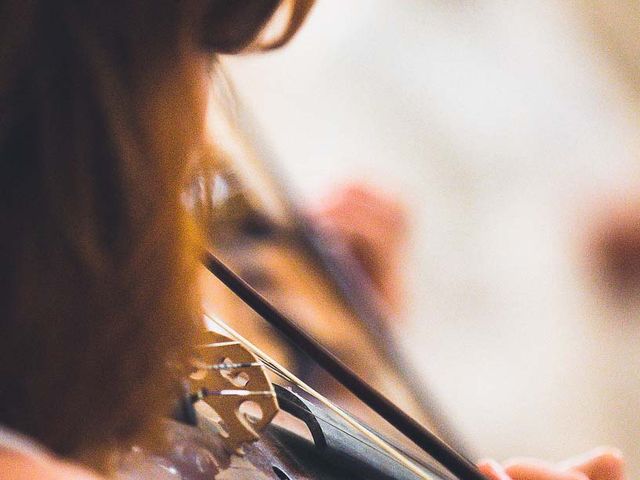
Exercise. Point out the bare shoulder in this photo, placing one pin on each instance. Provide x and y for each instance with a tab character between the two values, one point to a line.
16	466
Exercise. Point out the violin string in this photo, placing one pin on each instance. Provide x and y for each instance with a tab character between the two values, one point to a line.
318	416
341	429
204	393
277	370
445	455
221	344
354	423
228	366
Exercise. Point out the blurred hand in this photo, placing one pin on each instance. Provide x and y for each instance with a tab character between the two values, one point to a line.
614	242
374	227
599	464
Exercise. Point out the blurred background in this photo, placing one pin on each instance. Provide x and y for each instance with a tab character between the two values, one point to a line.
510	130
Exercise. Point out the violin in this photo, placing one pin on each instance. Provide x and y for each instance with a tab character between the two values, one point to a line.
226	440
253	224
237	421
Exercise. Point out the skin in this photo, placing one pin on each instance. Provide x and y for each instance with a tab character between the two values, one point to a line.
598	464
15	466
374	227
612	245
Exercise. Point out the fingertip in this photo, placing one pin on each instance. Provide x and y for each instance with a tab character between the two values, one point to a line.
358	188
529	462
602	462
531	469
492	469
612	454
612	458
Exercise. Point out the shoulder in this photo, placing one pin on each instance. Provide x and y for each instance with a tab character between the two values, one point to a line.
17	466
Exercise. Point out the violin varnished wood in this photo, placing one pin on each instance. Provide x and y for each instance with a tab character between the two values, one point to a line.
228	377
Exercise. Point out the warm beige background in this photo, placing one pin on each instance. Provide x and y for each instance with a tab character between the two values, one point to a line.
498	122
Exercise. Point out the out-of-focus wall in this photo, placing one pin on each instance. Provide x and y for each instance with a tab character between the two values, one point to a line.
498	123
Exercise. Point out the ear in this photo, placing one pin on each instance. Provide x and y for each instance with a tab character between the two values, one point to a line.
230	26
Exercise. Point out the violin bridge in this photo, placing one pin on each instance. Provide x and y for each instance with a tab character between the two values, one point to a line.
234	383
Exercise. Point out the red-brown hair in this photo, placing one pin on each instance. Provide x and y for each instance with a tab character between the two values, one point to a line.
97	259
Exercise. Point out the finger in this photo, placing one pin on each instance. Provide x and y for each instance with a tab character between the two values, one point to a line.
340	228
361	192
363	200
358	227
536	470
382	208
600	464
493	470
366	217
372	215
338	197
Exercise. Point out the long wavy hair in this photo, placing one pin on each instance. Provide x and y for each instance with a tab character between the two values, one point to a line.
98	118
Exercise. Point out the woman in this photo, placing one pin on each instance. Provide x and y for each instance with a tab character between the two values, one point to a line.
102	106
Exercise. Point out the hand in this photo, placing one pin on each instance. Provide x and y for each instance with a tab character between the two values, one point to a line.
613	241
374	227
599	464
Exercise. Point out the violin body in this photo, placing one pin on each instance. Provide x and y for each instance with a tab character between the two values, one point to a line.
332	444
234	422
328	449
